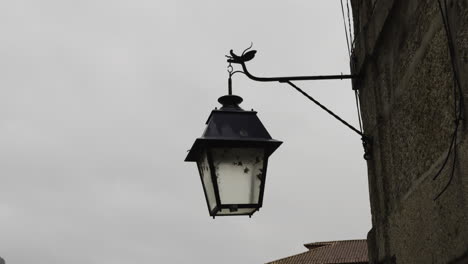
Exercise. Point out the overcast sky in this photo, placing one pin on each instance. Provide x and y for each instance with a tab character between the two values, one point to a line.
100	101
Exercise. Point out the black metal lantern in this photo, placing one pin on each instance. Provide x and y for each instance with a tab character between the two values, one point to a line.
232	158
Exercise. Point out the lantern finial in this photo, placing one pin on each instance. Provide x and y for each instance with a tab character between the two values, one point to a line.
230	101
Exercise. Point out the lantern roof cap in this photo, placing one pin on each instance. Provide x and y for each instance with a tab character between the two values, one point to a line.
231	126
230	101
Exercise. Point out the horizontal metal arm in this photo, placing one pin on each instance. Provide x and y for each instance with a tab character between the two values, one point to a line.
294	78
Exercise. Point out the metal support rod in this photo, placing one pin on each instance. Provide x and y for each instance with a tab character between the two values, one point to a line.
325	108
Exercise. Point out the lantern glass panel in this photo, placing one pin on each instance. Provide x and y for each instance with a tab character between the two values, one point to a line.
239	174
205	174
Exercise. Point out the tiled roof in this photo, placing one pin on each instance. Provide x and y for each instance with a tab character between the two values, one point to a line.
331	252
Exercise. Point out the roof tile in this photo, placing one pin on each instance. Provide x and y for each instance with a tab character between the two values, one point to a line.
330	252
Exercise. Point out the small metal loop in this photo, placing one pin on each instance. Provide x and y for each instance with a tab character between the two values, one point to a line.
232	73
230	68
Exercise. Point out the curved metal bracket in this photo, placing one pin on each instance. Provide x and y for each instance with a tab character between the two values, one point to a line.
249	55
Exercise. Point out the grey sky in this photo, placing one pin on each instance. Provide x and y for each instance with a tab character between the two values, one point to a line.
100	100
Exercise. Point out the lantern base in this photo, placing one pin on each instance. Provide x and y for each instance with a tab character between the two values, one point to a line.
240	211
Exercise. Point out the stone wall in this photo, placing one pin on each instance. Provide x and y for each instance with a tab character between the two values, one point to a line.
407	103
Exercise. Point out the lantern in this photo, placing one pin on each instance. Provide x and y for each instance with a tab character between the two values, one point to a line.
232	158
